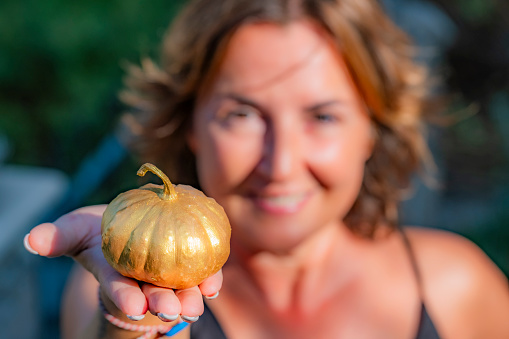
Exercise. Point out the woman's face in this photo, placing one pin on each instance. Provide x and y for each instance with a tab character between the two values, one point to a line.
281	136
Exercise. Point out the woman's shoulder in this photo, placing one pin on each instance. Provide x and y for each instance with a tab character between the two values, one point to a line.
465	293
444	252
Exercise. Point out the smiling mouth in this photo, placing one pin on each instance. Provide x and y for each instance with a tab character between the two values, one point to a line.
282	204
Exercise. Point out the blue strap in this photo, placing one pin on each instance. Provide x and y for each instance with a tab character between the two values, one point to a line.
176	329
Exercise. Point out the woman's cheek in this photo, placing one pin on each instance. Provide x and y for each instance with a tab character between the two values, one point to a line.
230	160
338	161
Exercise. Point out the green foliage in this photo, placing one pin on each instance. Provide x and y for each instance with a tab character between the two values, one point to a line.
492	238
60	71
478	10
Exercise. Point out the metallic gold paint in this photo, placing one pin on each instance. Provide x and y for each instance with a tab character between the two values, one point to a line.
170	236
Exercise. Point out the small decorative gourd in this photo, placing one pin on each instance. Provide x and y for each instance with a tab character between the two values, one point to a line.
170	236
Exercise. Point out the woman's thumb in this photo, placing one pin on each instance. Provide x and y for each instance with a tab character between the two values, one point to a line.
69	235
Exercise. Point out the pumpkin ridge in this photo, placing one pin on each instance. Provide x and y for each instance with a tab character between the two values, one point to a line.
203	221
222	219
147	265
126	258
110	231
132	204
112	223
212	259
178	246
123	200
154	188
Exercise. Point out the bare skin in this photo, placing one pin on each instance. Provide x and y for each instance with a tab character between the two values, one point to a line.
281	140
314	306
456	293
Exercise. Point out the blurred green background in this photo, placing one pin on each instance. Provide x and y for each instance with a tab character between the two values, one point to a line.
61	67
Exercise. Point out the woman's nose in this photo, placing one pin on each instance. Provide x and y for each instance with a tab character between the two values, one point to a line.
281	153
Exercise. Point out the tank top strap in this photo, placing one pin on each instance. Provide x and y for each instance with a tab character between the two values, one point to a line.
426	329
413	262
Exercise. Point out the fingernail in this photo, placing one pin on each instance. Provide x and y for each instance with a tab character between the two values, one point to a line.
167	317
214	296
189	319
27	245
136	317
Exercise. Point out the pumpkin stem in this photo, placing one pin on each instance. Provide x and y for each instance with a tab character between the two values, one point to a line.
169	191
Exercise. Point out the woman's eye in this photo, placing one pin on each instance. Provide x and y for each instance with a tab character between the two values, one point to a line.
324	123
240	113
242	119
325	117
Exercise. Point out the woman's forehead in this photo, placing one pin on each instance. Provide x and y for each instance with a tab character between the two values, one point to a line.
259	54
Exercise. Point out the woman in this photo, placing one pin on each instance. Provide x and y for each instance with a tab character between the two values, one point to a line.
303	120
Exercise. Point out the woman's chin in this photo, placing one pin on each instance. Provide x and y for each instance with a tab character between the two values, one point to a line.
276	239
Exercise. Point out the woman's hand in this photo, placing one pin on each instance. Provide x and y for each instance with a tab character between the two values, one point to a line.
78	235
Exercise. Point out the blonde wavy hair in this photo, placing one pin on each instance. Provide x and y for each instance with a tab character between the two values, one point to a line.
378	54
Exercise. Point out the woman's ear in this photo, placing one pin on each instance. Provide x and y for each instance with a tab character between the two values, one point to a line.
373	137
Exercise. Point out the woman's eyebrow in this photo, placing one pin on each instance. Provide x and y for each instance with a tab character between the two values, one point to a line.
246	101
242	100
323	104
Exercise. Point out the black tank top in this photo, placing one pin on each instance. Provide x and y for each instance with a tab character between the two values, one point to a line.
209	328
426	328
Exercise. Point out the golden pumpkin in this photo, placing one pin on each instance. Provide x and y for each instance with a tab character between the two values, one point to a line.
170	236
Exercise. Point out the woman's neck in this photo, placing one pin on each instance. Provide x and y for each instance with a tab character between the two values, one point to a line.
300	280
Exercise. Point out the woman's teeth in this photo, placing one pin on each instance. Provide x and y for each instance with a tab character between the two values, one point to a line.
283	201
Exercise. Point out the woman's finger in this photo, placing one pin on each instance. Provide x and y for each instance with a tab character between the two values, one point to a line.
162	302
191	302
124	292
210	287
